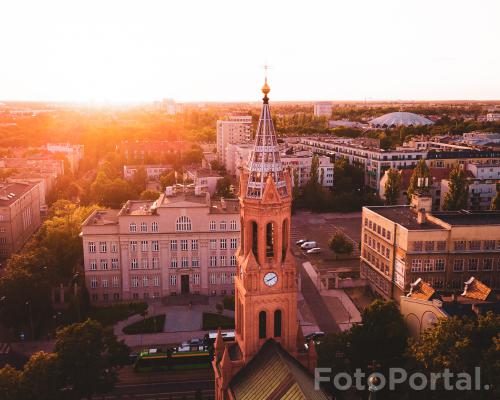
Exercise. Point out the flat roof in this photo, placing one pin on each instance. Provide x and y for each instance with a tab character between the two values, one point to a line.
12	191
404	216
102	217
465	217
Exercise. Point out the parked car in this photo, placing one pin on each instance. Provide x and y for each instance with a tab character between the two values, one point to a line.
314	250
301	241
308	245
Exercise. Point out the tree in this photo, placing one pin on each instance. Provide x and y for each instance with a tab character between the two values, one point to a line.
223	187
456	197
167	179
139	180
461	345
41	377
89	357
149	195
495	202
392	186
340	244
420	171
9	383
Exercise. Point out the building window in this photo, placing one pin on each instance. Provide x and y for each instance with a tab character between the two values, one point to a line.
144	263
103	247
213	261
488	264
156	280
440	263
133	246
473	262
133	227
459	245
195	263
489	245
133	263
196	279
474	245
154	227
194	244
144	227
116	296
262	325
183	224
270	239
212	225
173	263
92	265
184	262
223	277
104	265
92	247
222	261
114	247
115	281
429	245
212	279
223	244
232	261
428	265
184	245
233	276
458	265
213	244
173	245
104	283
234	244
156	263
145	281
93	282
232	225
222	225
441	245
417	246
416	265
155	245
144	246
277	323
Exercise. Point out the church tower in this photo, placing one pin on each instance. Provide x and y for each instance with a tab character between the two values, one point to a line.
266	284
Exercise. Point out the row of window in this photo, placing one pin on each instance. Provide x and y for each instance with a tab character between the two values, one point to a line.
183	224
103	247
183	262
115	282
429	245
473	264
105	297
374	277
427	265
377	246
103	264
379	264
378	229
475	245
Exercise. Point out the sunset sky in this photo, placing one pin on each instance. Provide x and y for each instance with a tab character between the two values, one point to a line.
108	51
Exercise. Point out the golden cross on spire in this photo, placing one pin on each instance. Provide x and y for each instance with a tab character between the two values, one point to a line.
265	89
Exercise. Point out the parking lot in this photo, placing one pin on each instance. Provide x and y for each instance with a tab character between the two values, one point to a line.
320	228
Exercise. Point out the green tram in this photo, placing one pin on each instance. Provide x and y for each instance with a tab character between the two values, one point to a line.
153	360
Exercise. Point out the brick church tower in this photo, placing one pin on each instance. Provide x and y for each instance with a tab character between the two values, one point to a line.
266	284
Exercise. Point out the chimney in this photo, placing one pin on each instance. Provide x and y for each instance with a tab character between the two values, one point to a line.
421	216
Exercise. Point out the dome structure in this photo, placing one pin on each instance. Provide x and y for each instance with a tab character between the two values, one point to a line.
400	119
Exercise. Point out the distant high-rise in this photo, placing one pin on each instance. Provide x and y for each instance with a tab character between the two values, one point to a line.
232	130
323	109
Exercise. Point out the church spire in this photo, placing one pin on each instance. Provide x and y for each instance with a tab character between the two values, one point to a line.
265	157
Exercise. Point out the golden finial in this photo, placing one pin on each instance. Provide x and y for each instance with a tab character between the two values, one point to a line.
266	89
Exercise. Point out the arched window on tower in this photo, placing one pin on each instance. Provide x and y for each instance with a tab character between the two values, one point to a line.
277	323
255	238
284	244
262	325
270	239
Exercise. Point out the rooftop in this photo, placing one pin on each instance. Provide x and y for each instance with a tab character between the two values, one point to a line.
465	217
102	217
404	216
11	192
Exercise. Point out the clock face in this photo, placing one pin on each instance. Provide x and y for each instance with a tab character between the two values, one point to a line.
270	279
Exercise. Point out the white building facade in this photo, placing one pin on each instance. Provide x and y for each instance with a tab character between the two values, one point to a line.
323	109
181	243
232	130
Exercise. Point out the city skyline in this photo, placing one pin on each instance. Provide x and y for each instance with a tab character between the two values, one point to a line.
120	52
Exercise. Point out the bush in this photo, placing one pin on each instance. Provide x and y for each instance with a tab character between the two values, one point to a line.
148	325
340	244
214	321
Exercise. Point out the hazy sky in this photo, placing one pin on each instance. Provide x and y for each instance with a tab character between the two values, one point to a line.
190	50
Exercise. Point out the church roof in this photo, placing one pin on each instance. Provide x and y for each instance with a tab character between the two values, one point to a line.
274	374
265	156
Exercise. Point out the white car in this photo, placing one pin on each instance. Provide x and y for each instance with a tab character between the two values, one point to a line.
301	242
308	245
314	250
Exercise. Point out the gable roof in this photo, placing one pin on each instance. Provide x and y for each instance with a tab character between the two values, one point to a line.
421	290
273	374
475	289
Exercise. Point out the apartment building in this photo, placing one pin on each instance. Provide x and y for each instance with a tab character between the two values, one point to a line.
19	215
204	179
180	243
323	109
153	172
73	152
232	130
154	151
403	243
300	165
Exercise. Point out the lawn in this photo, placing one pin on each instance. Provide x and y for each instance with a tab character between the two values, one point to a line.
149	325
213	321
110	315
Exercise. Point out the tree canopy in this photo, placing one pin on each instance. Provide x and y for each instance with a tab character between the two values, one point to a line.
456	197
392	186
